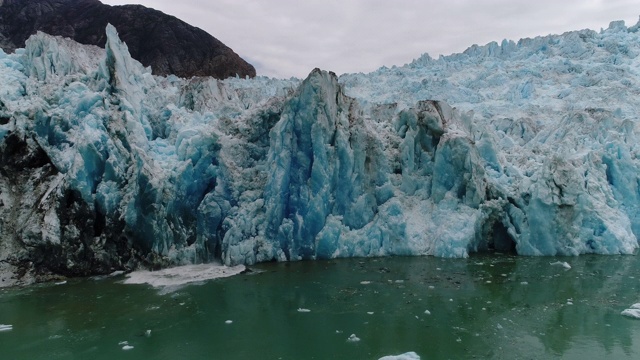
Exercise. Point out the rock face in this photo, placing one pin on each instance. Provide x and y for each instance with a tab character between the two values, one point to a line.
167	44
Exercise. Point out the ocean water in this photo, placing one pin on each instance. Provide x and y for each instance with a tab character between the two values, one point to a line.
484	307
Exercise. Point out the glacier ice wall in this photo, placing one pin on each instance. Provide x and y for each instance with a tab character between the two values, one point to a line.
528	147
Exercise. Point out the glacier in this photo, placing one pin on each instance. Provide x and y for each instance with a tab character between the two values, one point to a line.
527	147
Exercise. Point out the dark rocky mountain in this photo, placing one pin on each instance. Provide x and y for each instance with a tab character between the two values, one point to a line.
164	42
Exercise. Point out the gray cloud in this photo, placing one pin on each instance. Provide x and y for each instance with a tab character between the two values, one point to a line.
284	38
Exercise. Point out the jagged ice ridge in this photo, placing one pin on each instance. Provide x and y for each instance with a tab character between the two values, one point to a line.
528	146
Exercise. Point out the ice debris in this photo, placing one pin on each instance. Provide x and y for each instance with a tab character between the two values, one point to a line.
6	327
353	338
303	310
125	345
633	311
563	264
182	275
228	322
406	356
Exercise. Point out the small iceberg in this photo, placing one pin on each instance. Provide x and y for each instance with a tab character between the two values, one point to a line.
125	345
6	327
303	310
633	311
406	356
564	264
353	338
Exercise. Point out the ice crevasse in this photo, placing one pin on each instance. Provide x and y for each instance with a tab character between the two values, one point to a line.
529	147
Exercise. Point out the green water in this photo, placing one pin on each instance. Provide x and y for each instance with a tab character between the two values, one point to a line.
479	307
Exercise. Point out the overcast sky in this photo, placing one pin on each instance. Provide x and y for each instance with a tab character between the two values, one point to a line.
284	38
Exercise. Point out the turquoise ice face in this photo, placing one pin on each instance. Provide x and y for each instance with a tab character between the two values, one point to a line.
525	147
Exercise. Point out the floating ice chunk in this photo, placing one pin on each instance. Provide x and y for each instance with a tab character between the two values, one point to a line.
303	310
182	275
370	312
353	338
524	283
61	282
147	333
564	264
633	311
427	312
229	322
6	327
123	343
365	282
127	347
406	356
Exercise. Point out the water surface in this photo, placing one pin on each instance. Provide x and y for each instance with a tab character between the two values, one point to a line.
486	307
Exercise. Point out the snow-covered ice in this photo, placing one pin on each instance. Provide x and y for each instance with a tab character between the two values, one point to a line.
528	146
